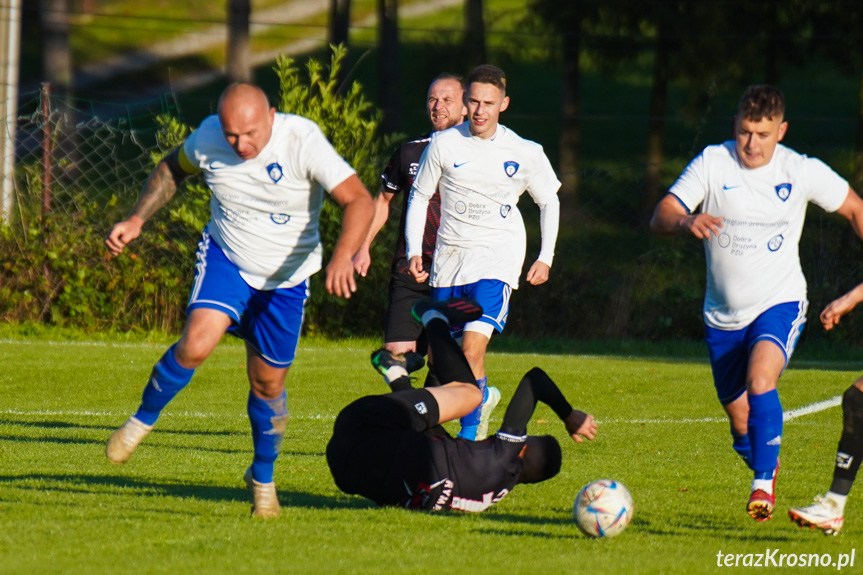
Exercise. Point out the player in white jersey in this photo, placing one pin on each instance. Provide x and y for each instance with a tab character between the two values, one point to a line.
445	108
753	194
253	262
481	169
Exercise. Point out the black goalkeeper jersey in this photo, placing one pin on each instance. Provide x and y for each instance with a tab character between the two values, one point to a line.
390	449
467	475
398	177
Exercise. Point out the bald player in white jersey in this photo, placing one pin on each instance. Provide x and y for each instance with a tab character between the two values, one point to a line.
253	262
753	193
482	168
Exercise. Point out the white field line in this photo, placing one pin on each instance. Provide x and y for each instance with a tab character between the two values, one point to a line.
788	415
165	416
145	345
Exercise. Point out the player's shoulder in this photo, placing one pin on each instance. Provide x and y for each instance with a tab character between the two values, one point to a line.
509	138
420	141
415	146
726	151
717	157
461	132
293	124
211	124
790	158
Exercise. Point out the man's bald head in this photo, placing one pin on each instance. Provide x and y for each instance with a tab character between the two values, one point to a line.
246	118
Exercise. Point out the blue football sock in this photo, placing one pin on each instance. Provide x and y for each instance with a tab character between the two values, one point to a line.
470	422
269	418
167	379
742	447
765	432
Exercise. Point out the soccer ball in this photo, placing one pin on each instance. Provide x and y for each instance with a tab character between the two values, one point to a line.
603	508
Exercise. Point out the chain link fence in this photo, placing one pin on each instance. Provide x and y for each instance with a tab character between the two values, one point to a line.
78	171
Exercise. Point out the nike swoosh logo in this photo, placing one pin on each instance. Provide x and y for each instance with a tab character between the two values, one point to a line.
457	165
729	187
216	164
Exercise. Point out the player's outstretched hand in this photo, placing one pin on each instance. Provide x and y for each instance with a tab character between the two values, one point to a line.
362	261
840	306
580	424
416	269
537	274
123	233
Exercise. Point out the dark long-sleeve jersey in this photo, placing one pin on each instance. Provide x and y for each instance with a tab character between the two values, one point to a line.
417	465
398	177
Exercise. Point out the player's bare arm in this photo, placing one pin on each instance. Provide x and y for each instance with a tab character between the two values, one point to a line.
580	424
416	269
852	210
671	218
159	188
357	203
363	259
841	306
538	273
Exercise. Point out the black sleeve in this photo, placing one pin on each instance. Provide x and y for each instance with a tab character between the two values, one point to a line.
392	178
534	386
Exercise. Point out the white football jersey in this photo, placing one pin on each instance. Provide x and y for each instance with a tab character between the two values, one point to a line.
481	233
264	211
754	264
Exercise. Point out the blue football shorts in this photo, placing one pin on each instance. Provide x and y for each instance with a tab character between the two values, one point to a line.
268	320
492	295
729	350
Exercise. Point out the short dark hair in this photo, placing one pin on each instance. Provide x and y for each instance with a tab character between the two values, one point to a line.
541	459
488	74
448	76
761	101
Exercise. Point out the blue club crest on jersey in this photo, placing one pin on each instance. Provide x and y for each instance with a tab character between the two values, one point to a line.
280	219
775	243
783	191
275	172
510	168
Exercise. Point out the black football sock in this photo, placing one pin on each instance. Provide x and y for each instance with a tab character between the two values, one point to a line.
431	377
402	383
449	360
850	449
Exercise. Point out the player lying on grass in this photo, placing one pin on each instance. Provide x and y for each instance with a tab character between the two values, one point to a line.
392	449
827	513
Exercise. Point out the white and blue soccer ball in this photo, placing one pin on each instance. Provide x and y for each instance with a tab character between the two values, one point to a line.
603	508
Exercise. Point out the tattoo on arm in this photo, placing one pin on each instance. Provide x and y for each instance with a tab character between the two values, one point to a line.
160	186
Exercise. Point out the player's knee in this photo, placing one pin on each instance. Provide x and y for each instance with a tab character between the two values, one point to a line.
190	355
759	384
397	347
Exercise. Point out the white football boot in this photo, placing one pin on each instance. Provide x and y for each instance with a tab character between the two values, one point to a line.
487	407
122	443
824	514
265	501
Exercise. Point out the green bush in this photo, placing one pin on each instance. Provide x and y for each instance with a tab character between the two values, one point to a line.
55	267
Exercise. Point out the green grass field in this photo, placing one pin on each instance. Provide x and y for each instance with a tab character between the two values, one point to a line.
179	506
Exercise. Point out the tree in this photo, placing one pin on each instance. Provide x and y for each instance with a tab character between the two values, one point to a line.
474	37
836	37
388	63
568	21
239	63
340	21
56	55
